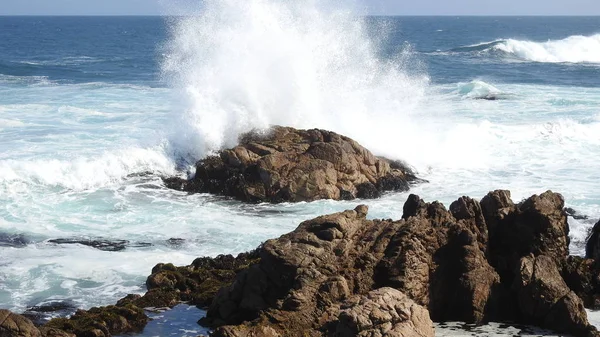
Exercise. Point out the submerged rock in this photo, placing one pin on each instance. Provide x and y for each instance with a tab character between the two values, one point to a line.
101	244
14	240
43	312
287	164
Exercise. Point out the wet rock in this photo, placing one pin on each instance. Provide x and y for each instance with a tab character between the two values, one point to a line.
176	242
285	164
383	312
41	313
575	215
14	240
13	325
101	244
103	321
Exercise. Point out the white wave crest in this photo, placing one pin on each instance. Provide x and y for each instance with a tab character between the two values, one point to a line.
574	49
244	64
86	173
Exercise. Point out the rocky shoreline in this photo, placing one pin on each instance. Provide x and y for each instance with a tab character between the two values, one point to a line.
343	274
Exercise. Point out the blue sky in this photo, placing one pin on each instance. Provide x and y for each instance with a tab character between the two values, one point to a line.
390	7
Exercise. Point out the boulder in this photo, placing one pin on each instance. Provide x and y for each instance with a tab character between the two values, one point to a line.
13	325
383	312
546	300
286	164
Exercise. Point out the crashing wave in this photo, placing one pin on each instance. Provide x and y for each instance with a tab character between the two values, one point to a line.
573	49
247	64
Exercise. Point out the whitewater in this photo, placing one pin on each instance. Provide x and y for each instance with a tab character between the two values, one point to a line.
87	132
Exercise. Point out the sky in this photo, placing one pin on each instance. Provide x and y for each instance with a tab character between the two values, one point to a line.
375	7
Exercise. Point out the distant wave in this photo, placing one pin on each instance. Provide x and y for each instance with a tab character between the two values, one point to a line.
573	49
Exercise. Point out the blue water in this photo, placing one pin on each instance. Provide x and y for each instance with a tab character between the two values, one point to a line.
94	110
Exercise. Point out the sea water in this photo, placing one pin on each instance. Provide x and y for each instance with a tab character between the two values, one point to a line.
95	110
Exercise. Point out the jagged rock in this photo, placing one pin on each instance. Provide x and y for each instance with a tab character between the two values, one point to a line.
286	164
383	312
437	260
304	274
103	321
536	226
440	259
13	325
545	299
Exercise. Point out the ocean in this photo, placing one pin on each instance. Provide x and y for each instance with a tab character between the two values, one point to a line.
95	110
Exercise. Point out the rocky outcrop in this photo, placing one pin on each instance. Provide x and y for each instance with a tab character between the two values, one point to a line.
476	262
286	164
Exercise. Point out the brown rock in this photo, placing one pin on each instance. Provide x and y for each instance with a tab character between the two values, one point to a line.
536	226
285	164
546	300
304	276
383	312
13	325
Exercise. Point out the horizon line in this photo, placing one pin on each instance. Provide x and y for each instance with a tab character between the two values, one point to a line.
372	15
